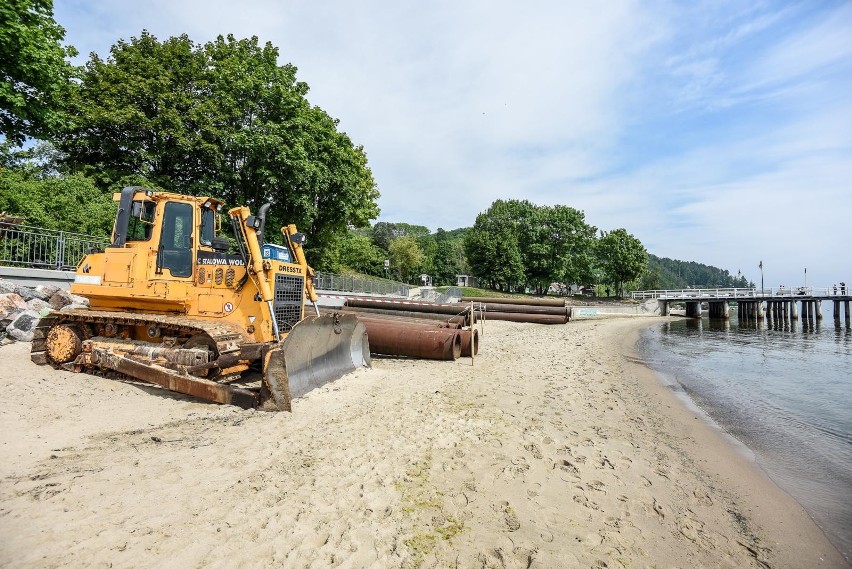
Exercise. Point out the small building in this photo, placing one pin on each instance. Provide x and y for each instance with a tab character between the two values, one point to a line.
425	280
467	280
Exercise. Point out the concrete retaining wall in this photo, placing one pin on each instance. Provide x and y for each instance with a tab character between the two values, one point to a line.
34	277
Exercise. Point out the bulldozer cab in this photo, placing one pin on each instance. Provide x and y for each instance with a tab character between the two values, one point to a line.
188	225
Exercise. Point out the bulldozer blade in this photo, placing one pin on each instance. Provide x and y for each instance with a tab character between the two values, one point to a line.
318	350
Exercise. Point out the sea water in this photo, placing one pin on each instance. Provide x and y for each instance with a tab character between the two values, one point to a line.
782	389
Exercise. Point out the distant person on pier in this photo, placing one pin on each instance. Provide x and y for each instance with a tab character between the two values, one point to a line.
835	289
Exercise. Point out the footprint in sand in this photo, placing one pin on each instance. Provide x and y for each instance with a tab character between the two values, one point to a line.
702	497
534	450
604	462
585	502
509	516
567	466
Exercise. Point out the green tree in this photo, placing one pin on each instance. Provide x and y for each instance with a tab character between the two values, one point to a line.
406	258
557	245
223	119
357	253
650	279
674	274
516	243
71	203
492	245
146	111
385	232
33	67
622	257
449	259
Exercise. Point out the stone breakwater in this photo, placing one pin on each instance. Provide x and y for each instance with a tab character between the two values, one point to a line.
22	307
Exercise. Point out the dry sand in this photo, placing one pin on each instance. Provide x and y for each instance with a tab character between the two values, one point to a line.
557	449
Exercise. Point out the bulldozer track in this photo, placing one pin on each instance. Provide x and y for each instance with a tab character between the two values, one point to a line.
227	340
227	337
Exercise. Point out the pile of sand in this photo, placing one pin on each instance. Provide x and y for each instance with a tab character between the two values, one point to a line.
554	450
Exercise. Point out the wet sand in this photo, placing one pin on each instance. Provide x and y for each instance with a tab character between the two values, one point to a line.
558	448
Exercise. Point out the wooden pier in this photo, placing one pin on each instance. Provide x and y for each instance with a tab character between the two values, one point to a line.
776	304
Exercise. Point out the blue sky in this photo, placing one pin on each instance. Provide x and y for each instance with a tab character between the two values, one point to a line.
719	132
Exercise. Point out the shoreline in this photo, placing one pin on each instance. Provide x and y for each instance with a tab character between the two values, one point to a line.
557	448
799	543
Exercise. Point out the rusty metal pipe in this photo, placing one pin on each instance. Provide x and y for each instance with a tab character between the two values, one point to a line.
419	318
465	319
408	306
466	336
393	339
532	318
381	319
525	309
520	301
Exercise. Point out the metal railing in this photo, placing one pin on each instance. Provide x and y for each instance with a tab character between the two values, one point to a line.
36	247
359	285
734	293
452	294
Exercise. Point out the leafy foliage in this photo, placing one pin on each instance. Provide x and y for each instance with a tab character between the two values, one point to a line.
406	258
622	258
384	232
517	244
449	259
357	253
33	68
674	274
71	203
222	119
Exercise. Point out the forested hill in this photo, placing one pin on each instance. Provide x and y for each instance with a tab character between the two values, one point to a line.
667	273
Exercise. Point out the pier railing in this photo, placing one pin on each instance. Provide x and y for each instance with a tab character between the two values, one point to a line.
735	293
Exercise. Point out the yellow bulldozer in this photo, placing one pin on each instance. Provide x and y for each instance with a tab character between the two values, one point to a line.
171	304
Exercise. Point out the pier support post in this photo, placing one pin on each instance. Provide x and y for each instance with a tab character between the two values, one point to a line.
846	310
794	310
693	310
761	309
719	310
664	307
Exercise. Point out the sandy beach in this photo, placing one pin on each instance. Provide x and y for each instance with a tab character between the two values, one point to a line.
558	448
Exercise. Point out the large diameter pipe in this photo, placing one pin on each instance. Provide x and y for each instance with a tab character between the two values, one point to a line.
431	307
526	309
521	301
464	318
468	338
392	339
532	318
381	319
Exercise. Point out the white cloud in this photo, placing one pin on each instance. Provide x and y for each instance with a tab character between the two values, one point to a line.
716	132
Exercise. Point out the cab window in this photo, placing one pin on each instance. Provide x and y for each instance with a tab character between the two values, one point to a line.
208	226
141	221
175	249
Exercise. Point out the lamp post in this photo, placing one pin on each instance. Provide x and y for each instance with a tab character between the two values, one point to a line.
761	278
